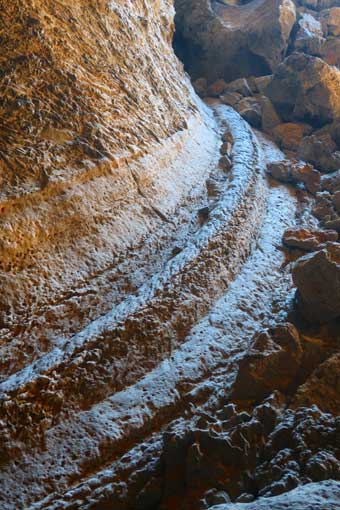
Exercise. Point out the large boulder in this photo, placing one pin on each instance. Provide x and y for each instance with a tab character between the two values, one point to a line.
230	41
271	363
321	151
309	36
317	278
306	88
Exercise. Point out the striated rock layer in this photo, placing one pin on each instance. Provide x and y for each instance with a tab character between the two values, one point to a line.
96	126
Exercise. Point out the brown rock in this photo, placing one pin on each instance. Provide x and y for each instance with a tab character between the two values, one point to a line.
305	173
271	363
317	278
321	151
309	37
200	86
217	88
241	86
306	88
230	98
290	134
330	20
330	51
306	239
322	388
225	163
230	42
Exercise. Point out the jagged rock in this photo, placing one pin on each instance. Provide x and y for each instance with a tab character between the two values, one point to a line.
230	98
330	20
321	388
230	42
270	118
306	239
201	86
306	174
271	363
305	88
317	278
331	182
217	88
250	109
289	135
225	163
280	170
296	172
321	151
309	37
261	83
241	86
330	51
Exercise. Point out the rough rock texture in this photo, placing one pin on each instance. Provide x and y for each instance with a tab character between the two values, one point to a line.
90	148
241	40
307	239
306	88
314	496
317	277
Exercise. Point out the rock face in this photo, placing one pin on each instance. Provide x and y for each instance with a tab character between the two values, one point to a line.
317	278
306	88
77	122
244	40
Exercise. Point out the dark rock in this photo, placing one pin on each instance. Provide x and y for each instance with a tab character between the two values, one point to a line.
331	182
317	278
271	363
309	37
240	86
289	135
200	86
305	88
217	41
230	98
321	151
225	163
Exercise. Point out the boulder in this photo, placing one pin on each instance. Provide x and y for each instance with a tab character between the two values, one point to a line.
317	278
217	88
250	110
270	118
322	387
296	172
241	86
232	41
331	182
200	86
306	88
306	174
330	51
271	363
261	82
289	135
321	151
309	36
330	20
307	239
230	98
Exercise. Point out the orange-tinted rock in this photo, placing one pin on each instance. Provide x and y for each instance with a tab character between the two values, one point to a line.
317	278
306	239
290	134
217	88
271	363
305	87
